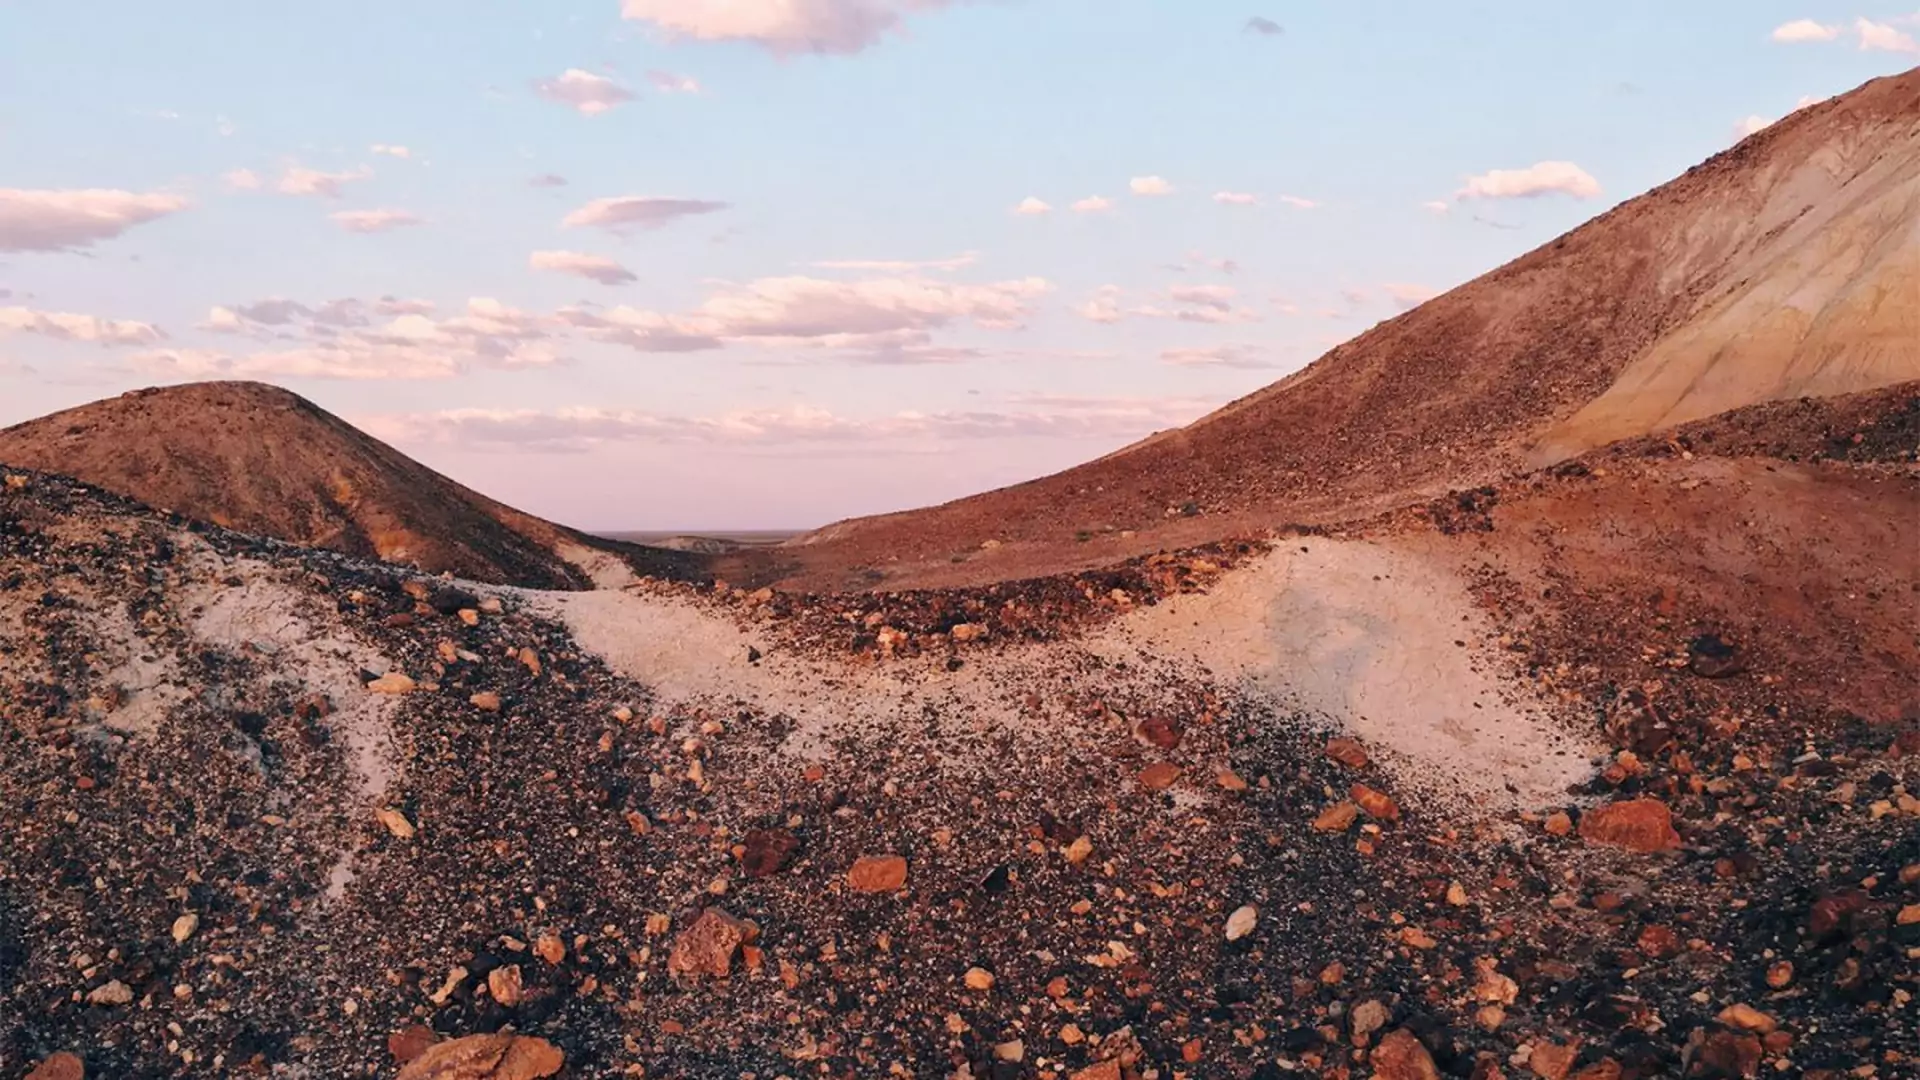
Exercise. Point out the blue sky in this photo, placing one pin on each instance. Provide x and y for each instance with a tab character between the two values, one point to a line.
187	190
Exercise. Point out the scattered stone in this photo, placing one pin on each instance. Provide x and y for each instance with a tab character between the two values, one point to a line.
1727	1053
410	1042
61	1066
1078	851
393	682
396	823
505	985
1159	776
767	851
1229	780
113	993
1644	825
1368	1017
878	874
500	1056
1159	731
707	947
485	701
551	948
1747	1018
1337	818
1780	975
1105	1070
1402	1056
1378	804
1457	894
978	978
1348	752
1013	1050
1712	657
1490	987
531	661
1551	1060
1559	824
184	927
967	632
1242	921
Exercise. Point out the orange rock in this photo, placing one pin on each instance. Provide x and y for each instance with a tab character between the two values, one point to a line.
61	1066
1106	1070
1558	823
550	948
1348	752
486	1057
1159	776
1552	1061
878	874
1659	942
1637	825
410	1042
1337	818
707	946
1401	1056
1378	804
1747	1018
1604	1069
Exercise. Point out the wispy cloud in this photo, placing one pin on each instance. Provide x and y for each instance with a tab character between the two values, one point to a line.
298	180
1263	26
1093	204
1229	356
1032	207
1545	178
241	180
69	220
583	91
783	27
1883	37
91	329
1150	186
901	266
669	83
1804	30
637	212
375	221
1236	198
391	150
592	267
548	180
1300	203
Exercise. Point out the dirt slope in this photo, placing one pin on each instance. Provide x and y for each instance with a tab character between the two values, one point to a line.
262	460
1787	266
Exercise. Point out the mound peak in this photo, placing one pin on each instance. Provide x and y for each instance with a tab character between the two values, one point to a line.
260	459
1787	266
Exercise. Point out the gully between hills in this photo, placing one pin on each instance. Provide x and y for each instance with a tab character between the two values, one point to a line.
1455	792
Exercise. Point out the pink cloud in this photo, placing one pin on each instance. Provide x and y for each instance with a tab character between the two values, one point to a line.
637	212
297	180
592	267
1545	178
783	27
42	220
91	329
669	83
374	221
583	91
1236	198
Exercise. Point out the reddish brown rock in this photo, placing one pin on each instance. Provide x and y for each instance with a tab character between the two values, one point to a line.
1551	1060
767	852
1159	776
707	946
1348	752
878	873
486	1057
410	1042
1337	818
1659	942
61	1066
1401	1056
1831	915
1378	804
1105	1070
1729	1054
1644	825
1160	731
1604	1069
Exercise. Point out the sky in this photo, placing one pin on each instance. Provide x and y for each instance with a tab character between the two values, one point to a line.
743	264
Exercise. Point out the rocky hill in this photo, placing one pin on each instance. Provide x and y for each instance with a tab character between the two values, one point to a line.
259	459
1785	267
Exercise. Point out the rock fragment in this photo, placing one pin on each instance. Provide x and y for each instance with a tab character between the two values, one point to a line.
1348	752
708	945
184	927
393	682
1644	825
112	993
1242	921
1337	818
1402	1056
486	1057
878	874
60	1066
